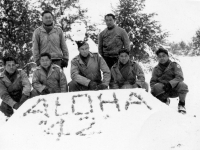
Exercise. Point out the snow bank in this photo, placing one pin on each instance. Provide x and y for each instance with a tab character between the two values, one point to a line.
111	119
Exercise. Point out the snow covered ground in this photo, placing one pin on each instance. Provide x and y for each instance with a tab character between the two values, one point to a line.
78	124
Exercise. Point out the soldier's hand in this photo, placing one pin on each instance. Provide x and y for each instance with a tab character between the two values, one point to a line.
8	111
92	85
102	87
64	63
45	91
167	87
22	100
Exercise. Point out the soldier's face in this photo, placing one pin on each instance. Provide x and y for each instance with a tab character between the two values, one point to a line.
162	58
45	62
10	67
123	58
110	22
84	50
47	19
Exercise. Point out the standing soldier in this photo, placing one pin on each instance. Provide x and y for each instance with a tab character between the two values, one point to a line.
15	87
48	78
167	80
126	73
111	40
86	70
49	38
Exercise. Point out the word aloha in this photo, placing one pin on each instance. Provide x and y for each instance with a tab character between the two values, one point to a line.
61	121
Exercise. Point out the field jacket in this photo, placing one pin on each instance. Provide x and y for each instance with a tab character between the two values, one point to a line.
83	74
135	76
172	74
10	92
53	43
55	80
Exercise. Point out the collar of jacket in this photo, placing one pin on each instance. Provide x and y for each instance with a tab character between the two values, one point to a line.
5	78
168	67
111	27
116	65
43	29
80	60
50	70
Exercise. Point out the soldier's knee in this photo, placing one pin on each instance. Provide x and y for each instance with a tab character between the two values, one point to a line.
157	89
73	86
34	93
182	87
128	86
145	86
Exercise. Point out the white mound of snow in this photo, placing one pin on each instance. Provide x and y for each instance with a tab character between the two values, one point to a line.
112	119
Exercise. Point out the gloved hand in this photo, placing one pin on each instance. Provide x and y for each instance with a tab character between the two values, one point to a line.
92	85
45	91
64	63
102	87
22	100
167	87
6	109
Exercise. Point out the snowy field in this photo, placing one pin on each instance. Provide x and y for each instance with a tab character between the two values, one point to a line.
103	120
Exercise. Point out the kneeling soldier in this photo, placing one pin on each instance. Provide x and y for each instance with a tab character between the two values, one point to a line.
167	80
126	73
48	78
15	87
86	70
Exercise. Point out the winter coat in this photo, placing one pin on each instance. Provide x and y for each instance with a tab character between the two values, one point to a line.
112	41
135	76
55	80
172	74
53	43
10	92
83	74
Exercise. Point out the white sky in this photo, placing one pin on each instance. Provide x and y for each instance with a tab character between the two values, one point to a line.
179	17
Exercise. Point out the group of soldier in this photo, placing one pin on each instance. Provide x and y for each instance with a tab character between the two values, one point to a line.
111	68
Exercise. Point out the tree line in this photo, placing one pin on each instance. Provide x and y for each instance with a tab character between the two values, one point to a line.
18	20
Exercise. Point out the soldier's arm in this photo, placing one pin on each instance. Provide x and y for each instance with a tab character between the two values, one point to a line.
75	74
113	82
154	78
63	46
178	75
63	82
126	40
5	95
140	75
35	48
36	82
100	44
106	71
25	83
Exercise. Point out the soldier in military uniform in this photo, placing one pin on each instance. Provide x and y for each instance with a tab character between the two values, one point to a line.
48	78
167	80
15	87
86	70
126	73
111	40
